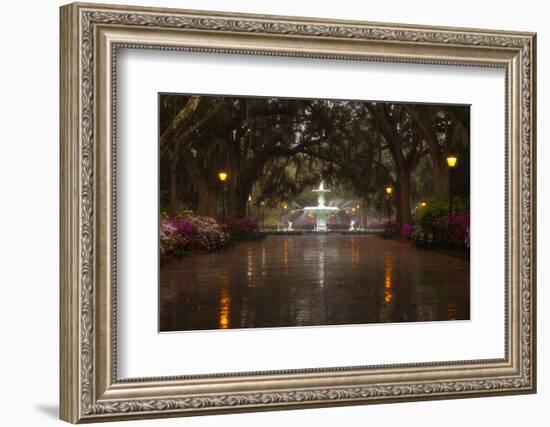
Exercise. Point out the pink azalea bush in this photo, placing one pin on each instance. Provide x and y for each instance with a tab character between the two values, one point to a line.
450	231
243	228
168	236
406	231
391	228
188	233
456	230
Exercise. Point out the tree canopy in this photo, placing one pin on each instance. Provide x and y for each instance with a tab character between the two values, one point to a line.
274	148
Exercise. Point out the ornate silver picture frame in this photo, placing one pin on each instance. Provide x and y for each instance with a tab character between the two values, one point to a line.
91	34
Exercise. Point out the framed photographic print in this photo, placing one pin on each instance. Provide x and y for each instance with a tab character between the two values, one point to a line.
264	212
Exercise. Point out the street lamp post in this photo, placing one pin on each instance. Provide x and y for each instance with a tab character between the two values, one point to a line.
451	162
222	175
389	191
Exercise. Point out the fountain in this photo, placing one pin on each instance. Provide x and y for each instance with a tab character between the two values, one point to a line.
321	210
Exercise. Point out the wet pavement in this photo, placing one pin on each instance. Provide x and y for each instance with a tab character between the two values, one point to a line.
309	279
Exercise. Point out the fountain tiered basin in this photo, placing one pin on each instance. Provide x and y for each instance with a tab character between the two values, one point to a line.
321	210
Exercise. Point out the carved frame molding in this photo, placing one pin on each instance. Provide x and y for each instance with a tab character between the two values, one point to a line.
90	37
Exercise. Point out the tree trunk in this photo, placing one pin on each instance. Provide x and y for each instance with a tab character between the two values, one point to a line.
441	178
242	192
174	200
241	200
424	120
231	199
179	122
396	202
403	199
208	201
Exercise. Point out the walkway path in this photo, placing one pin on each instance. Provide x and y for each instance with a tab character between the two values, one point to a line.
313	280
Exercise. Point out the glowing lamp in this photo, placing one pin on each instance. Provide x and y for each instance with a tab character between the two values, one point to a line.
451	161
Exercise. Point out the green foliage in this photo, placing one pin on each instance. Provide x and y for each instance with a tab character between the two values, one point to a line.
461	206
274	149
429	219
435	209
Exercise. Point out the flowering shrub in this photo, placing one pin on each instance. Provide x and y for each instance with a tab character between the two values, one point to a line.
188	233
456	230
168	236
406	231
391	228
208	231
451	231
243	228
427	218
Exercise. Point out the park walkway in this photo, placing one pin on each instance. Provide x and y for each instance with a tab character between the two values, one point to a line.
309	279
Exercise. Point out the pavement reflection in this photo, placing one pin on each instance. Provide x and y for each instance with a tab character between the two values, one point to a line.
311	280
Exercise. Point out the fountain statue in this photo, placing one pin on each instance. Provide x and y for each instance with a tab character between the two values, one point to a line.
321	210
352	225
289	228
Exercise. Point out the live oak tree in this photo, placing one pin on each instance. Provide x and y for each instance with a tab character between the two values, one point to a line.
182	118
374	145
444	128
275	148
238	135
